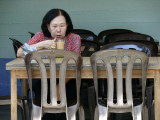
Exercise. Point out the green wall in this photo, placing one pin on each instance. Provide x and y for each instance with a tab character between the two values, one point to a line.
17	17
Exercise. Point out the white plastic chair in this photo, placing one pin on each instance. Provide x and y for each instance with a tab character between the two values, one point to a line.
123	102
55	106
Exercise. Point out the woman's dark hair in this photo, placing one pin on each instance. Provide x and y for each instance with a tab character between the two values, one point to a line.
50	15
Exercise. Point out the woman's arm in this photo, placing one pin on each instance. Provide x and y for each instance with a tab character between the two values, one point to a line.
20	52
38	46
39	42
48	44
76	45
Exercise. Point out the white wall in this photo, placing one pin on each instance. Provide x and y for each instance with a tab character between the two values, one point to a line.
17	17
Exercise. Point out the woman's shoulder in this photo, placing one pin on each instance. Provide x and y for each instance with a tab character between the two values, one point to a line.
73	35
39	33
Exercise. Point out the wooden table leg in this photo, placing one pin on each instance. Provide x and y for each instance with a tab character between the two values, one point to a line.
13	95
157	95
24	87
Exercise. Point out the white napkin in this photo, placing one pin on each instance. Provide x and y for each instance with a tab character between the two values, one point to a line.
27	49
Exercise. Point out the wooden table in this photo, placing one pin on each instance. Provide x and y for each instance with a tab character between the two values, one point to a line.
17	69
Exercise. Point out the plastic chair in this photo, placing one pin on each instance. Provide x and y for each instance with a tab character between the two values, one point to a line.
86	34
88	47
105	35
32	34
82	31
5	92
151	49
131	36
119	102
16	44
89	37
53	105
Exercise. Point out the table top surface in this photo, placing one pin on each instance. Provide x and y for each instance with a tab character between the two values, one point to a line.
18	63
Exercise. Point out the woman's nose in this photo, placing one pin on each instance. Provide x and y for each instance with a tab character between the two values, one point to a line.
58	29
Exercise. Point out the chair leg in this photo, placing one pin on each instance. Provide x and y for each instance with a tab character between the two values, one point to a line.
71	113
21	105
81	113
23	113
91	101
152	113
36	112
145	113
137	113
26	109
96	114
103	112
149	95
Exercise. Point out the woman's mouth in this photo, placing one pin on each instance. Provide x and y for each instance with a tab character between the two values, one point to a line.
58	36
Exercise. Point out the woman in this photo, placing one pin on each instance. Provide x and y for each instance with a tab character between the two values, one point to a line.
56	24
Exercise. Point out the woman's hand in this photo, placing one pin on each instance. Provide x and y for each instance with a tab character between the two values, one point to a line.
47	44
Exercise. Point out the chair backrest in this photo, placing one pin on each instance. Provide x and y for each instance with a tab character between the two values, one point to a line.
86	34
89	37
82	31
89	47
52	57
119	60
16	44
32	34
149	47
105	35
131	36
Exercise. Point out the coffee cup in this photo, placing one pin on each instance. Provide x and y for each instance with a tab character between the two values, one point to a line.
60	44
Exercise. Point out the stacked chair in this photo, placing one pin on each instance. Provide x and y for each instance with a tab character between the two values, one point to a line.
89	42
105	35
88	48
32	34
131	36
16	44
151	49
89	45
139	42
82	31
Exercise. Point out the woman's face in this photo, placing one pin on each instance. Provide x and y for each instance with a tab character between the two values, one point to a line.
58	27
